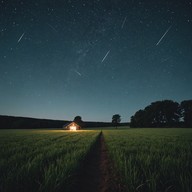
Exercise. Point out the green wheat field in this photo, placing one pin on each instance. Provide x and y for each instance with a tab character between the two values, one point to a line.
47	160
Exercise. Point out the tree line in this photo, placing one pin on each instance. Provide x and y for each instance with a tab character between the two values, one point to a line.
166	113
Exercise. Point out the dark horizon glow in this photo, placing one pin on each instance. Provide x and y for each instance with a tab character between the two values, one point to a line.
60	59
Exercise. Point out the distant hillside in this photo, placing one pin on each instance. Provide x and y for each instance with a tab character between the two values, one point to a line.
11	122
102	124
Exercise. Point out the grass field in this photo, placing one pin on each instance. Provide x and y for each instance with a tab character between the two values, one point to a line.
34	160
148	160
152	159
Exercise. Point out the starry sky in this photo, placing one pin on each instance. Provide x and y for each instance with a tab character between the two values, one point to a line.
62	58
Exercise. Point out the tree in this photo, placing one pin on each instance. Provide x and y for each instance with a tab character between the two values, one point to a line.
165	113
116	119
79	121
157	114
138	120
186	112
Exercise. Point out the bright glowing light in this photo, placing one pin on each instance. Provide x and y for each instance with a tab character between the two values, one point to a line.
73	128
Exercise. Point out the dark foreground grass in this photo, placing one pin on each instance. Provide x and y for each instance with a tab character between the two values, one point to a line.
152	160
35	160
147	160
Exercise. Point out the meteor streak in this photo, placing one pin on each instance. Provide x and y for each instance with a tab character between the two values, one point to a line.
20	37
105	56
163	35
123	22
78	73
52	27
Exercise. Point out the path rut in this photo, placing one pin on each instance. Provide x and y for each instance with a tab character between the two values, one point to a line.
97	174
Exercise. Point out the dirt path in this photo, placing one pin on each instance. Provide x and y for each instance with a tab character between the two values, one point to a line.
96	174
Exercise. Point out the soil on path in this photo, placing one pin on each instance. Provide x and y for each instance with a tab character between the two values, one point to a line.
97	174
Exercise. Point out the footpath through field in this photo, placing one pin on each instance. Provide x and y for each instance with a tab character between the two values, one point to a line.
97	174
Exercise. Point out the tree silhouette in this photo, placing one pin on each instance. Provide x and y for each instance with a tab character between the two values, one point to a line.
138	120
157	114
116	119
79	121
186	112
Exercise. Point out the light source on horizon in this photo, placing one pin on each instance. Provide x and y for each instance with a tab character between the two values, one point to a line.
72	128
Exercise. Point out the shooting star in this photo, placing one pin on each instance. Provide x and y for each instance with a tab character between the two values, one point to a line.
166	59
52	27
164	35
123	22
78	73
20	37
105	56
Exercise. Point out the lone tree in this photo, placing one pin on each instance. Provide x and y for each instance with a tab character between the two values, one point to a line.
79	121
116	119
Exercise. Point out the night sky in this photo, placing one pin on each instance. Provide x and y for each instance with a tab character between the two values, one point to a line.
93	58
